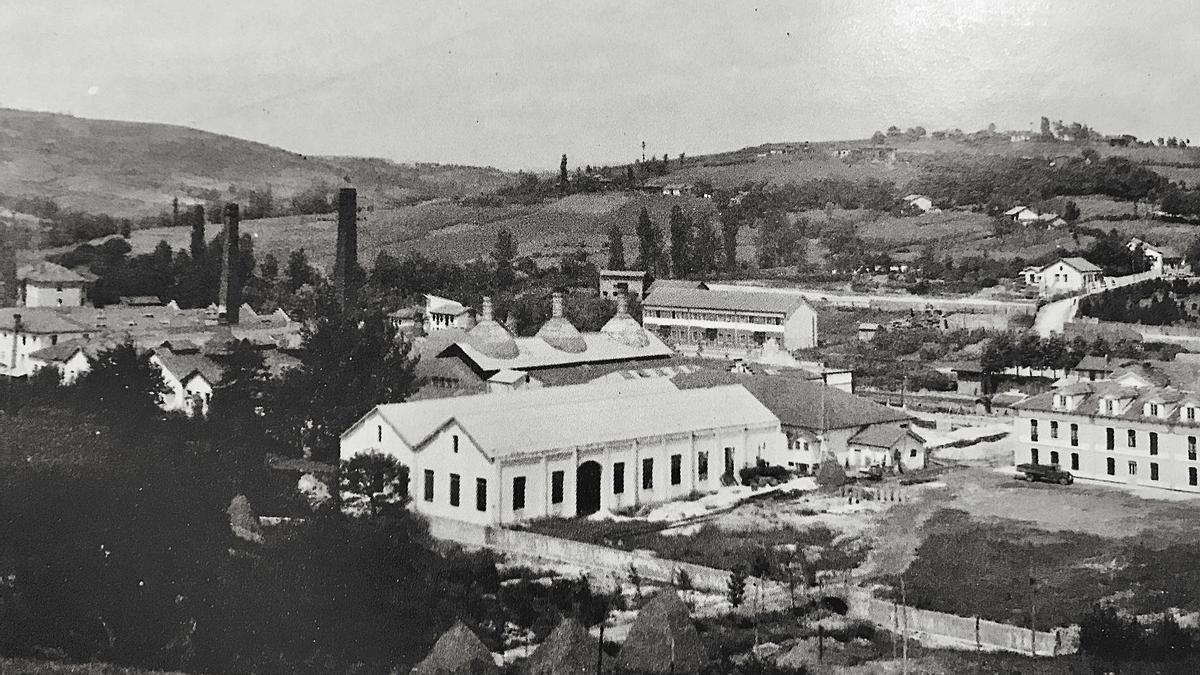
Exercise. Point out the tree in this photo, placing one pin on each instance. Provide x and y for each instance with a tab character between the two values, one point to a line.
375	482
681	244
735	588
503	253
1047	134
730	224
878	138
1071	211
123	382
299	272
197	242
616	248
563	178
706	250
650	244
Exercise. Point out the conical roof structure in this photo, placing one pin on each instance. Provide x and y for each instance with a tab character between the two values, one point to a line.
624	328
457	652
489	337
663	639
570	650
560	333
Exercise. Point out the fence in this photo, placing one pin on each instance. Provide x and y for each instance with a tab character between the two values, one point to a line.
964	631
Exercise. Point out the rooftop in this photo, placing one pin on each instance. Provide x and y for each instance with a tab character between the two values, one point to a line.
536	420
747	301
534	352
1080	264
801	403
48	272
623	274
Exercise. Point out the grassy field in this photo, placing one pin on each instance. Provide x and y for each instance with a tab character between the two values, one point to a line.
35	667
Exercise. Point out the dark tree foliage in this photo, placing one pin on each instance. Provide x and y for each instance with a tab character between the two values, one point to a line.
503	254
651	256
681	242
123	381
376	481
350	362
616	248
1154	302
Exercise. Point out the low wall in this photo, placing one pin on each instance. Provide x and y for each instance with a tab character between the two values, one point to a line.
967	631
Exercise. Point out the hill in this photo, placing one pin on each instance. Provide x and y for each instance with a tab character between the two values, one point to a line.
131	169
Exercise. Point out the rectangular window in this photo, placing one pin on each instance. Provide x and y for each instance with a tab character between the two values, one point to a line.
1110	438
619	478
1132	435
647	474
1033	436
1191	475
1154	409
702	465
481	494
912	452
1053	429
1154	442
378	433
1111	466
1033	455
1108	405
1054	457
1132	468
454	479
1074	435
556	487
455	439
428	485
676	469
1192	448
1074	461
1191	414
1153	470
518	493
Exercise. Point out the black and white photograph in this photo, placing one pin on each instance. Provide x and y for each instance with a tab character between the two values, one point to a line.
414	337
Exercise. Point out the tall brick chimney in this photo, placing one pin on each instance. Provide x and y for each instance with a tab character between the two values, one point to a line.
8	274
345	268
231	285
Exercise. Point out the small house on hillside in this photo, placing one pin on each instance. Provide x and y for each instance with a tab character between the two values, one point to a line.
1069	275
914	204
1162	258
1022	215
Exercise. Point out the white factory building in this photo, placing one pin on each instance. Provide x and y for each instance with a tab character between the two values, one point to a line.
568	451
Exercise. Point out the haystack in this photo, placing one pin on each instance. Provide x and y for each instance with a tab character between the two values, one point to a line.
831	474
663	631
458	652
570	650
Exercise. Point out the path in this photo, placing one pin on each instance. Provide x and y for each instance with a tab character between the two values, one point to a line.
1053	316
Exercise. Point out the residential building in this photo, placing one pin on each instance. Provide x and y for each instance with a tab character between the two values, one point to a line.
624	282
1111	431
46	284
567	451
822	422
444	314
1069	275
1163	259
724	320
920	204
1022	215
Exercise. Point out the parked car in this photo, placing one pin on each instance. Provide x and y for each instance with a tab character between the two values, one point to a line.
1051	473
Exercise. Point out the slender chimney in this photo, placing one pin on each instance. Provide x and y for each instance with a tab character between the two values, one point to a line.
231	285
8	275
486	312
622	304
345	266
556	305
17	326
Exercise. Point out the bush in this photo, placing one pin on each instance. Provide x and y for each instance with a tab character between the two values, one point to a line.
752	474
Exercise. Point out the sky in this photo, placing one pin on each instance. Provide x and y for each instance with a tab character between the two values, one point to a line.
516	84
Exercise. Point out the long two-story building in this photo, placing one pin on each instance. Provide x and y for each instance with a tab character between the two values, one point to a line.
1112	431
729	319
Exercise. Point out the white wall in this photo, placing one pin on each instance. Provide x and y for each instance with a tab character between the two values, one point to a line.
53	296
800	329
26	344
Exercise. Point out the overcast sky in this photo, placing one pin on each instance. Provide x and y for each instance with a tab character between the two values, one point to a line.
516	84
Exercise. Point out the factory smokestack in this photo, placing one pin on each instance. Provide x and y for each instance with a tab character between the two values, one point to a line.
345	268
8	275
231	284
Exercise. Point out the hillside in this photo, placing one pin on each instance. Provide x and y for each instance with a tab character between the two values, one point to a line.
133	168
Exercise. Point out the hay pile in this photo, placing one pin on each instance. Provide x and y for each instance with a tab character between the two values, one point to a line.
663	630
458	652
570	650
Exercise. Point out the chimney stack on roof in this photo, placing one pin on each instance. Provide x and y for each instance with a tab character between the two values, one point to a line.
622	304
556	305
345	268
486	311
231	284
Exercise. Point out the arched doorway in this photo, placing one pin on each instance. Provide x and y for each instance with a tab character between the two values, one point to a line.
587	488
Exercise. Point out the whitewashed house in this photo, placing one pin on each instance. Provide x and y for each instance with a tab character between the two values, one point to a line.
47	284
1069	275
920	204
568	451
445	314
1022	215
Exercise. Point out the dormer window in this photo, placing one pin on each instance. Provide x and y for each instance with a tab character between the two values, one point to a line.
1190	413
1109	406
1060	400
1152	409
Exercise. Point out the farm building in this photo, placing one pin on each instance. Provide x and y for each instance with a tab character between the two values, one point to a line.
568	451
624	282
49	285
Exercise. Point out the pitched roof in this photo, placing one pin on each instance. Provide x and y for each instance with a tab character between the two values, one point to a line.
623	274
61	352
48	272
883	436
1080	264
747	301
532	420
184	365
440	305
42	320
1014	210
800	403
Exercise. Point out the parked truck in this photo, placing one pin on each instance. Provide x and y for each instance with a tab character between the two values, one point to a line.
1051	473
